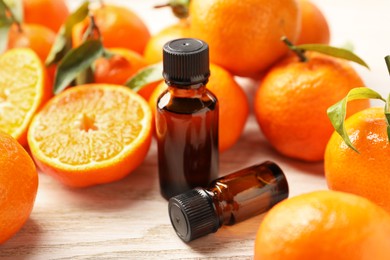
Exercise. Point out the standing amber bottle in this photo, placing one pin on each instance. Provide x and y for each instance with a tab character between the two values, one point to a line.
186	119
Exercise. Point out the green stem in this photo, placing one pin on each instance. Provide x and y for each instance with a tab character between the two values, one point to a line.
387	60
92	27
300	53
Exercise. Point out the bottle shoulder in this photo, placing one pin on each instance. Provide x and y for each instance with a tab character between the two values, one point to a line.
187	102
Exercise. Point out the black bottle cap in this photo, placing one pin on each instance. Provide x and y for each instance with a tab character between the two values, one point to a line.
193	214
186	62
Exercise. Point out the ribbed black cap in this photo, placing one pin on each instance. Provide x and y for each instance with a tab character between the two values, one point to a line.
193	214
186	62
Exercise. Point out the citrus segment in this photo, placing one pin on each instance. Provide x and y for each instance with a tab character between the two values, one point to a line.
91	134
23	89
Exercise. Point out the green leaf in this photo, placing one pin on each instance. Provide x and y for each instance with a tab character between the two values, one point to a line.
3	38
16	7
63	41
333	51
145	76
338	111
85	77
387	60
387	115
75	62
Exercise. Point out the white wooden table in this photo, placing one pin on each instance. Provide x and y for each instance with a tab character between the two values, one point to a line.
129	219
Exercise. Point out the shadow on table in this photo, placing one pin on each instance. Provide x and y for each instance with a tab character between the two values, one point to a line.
24	242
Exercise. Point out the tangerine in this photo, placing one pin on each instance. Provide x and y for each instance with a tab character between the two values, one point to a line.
314	26
244	36
91	134
18	186
118	26
324	225
34	36
366	173
291	103
49	13
153	49
23	90
118	68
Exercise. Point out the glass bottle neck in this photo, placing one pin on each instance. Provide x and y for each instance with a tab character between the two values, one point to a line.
192	91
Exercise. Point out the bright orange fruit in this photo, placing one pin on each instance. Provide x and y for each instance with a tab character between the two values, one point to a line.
49	13
244	36
154	47
18	186
119	28
324	225
37	37
23	90
91	134
314	26
293	97
366	173
119	68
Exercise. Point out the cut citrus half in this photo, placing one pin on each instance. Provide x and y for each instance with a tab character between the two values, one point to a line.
23	89
91	134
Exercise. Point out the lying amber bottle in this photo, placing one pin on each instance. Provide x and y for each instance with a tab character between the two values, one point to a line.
227	200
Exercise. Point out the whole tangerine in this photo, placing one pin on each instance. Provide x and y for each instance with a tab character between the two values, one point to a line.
291	103
119	28
324	225
244	36
366	173
314	26
18	186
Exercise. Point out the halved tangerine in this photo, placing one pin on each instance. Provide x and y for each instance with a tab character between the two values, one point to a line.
91	134
23	89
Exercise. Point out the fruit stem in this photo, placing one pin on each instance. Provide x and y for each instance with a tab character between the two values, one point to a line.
179	7
299	52
91	30
162	5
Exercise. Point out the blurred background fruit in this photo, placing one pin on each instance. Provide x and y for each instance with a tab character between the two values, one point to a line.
49	13
37	37
91	134
244	37
366	173
153	49
118	68
324	225
18	186
291	103
119	27
233	105
23	90
314	26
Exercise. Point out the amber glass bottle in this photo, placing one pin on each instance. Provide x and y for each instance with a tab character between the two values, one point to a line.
227	200
186	119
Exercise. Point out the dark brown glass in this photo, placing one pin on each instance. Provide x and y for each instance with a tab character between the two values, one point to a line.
227	200
187	136
248	192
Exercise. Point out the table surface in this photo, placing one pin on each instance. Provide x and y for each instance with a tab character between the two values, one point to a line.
129	219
